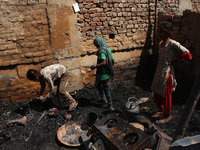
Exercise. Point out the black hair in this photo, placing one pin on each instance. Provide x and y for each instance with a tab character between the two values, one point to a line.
166	26
31	74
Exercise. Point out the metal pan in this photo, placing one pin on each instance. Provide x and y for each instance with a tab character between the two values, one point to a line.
70	133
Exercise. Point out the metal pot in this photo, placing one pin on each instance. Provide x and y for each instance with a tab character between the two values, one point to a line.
132	105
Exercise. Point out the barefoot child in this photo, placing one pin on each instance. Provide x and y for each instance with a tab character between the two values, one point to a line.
164	80
50	75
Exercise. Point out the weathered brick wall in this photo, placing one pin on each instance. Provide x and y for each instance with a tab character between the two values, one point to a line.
24	44
132	24
195	5
128	20
36	33
127	27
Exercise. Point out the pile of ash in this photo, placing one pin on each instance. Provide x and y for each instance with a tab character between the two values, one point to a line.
42	134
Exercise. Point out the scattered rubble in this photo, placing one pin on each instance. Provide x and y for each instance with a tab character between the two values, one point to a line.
32	127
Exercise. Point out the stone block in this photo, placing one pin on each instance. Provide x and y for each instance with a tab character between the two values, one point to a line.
105	32
99	23
121	5
7	76
71	63
92	10
121	56
109	1
23	84
17	97
87	61
103	19
88	76
96	1
43	58
28	55
14	62
86	16
36	59
105	5
3	47
76	83
85	29
6	63
4	99
22	70
43	1
96	19
50	57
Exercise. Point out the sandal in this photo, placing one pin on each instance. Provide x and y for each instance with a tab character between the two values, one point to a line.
73	106
53	109
163	120
158	114
102	100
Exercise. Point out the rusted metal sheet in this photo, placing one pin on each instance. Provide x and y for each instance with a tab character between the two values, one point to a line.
164	141
190	143
118	134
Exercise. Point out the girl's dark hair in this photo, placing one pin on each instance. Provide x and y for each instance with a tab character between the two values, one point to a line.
166	26
31	74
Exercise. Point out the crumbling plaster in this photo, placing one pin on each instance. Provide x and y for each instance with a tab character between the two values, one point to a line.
37	33
65	37
184	5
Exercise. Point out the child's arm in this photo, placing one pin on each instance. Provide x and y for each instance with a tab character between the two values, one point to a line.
51	89
42	88
43	85
103	63
50	84
182	52
102	56
185	56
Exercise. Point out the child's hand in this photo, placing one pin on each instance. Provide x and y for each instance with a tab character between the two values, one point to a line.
41	97
44	99
92	67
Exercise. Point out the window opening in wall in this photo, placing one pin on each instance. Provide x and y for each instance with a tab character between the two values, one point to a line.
111	36
98	5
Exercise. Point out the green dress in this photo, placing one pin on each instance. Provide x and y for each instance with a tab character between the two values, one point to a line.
104	53
104	70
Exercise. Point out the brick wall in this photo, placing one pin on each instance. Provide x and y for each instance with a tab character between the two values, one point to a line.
128	20
195	5
128	29
36	33
24	44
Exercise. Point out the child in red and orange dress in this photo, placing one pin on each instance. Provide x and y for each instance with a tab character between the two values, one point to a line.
164	82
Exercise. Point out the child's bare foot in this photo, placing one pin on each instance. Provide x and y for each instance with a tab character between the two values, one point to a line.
158	114
164	120
73	106
53	109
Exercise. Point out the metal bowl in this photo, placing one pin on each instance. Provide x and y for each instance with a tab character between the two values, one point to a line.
70	133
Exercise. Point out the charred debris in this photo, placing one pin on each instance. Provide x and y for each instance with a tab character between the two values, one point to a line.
29	125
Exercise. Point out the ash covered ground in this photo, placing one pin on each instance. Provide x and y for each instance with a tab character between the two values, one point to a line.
44	134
